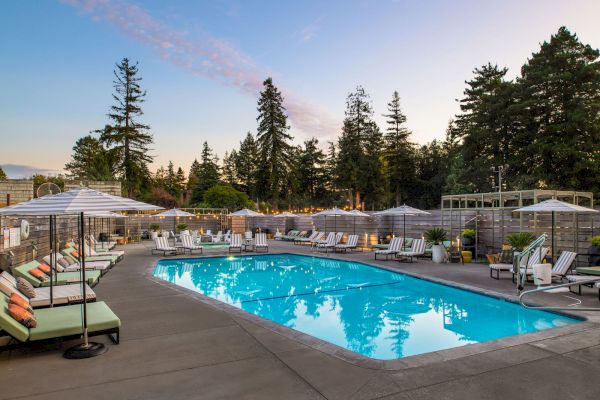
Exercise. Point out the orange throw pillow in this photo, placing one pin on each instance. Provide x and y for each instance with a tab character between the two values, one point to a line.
45	268
21	302
75	253
20	314
39	274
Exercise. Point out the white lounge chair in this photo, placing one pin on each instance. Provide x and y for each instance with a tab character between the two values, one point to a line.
248	235
218	238
394	248
260	242
330	243
187	243
306	239
73	265
562	266
89	251
350	244
162	246
534	258
330	237
62	294
101	246
417	249
236	243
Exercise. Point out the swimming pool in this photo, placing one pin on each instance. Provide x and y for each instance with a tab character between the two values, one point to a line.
368	310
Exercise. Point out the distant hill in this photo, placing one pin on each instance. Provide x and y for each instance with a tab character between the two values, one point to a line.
16	171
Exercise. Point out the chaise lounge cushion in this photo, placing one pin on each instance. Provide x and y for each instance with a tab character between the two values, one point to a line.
21	315
62	278
66	321
9	324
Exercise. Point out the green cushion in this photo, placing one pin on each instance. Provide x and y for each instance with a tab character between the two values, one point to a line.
9	324
23	272
67	320
64	278
112	259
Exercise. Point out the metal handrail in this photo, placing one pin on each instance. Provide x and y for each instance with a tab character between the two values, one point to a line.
521	278
546	288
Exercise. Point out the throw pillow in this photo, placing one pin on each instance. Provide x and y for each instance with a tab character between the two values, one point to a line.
75	253
45	268
20	314
25	287
39	274
21	302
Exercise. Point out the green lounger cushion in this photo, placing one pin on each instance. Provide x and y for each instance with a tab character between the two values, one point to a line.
112	259
9	324
66	320
62	278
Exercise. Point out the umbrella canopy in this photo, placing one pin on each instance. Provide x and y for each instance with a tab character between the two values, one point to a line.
358	213
104	214
285	214
403	210
245	213
555	206
175	212
558	206
333	212
75	201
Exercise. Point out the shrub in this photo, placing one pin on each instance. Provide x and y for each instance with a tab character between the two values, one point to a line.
520	240
182	227
154	227
224	196
435	235
595	240
469	234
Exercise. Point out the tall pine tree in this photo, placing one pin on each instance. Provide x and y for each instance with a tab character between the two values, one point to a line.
273	146
208	173
127	138
90	161
246	166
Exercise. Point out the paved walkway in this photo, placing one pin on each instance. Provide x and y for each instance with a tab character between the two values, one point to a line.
174	346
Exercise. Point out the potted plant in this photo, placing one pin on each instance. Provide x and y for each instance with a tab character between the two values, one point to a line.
520	240
182	227
154	228
436	236
594	251
468	236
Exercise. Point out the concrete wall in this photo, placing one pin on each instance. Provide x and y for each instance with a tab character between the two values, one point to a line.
110	187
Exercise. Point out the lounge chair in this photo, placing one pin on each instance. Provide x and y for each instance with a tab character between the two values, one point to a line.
291	236
260	242
102	266
350	244
218	238
501	262
562	266
161	245
394	248
58	278
187	243
236	243
417	249
59	323
306	239
65	294
332	240
70	249
534	258
101	246
317	239
89	251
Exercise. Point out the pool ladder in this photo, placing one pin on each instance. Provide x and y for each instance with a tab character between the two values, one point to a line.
547	288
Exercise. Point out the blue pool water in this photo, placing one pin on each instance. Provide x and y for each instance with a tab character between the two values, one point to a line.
371	311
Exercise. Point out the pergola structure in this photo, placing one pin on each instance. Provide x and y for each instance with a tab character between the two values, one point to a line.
495	210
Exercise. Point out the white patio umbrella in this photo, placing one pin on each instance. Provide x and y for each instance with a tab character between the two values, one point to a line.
76	201
357	213
285	214
403	210
334	212
555	206
244	212
175	213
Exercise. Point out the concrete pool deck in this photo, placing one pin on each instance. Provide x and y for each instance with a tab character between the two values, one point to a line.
177	345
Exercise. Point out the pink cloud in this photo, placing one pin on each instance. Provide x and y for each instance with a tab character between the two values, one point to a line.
208	57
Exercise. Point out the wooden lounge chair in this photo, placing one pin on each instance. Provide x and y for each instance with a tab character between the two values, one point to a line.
350	244
162	246
260	242
417	249
59	323
59	278
65	294
394	248
187	243
236	243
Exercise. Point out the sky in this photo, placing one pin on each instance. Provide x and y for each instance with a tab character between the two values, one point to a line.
203	63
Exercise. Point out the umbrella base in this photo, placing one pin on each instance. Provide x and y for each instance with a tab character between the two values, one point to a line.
82	351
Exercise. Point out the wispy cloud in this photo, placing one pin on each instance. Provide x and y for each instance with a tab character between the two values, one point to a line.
206	56
307	33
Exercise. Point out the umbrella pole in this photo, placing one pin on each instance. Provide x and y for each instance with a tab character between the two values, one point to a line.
85	349
404	228
52	261
552	240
